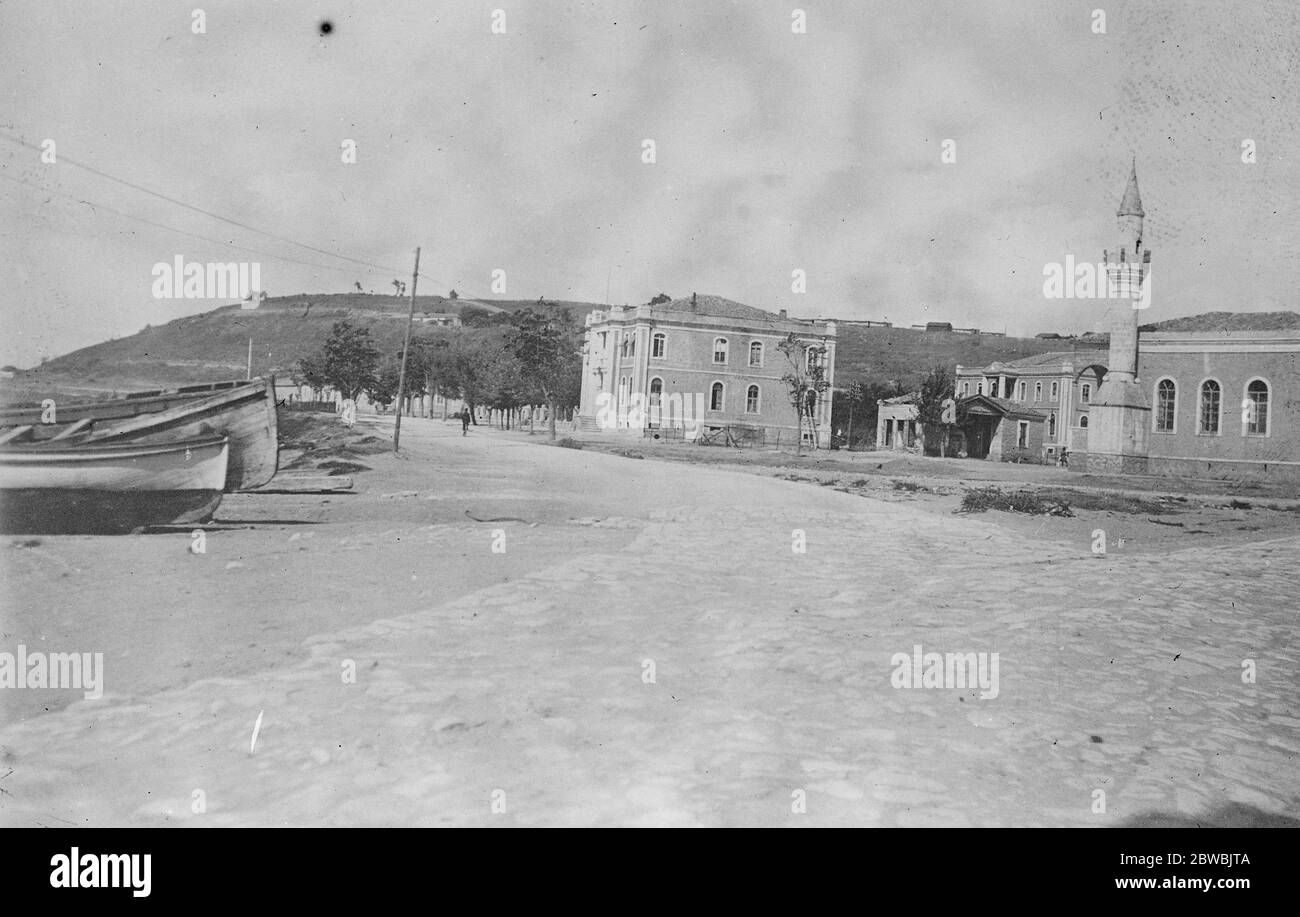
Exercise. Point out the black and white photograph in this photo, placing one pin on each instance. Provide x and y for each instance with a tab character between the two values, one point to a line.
697	413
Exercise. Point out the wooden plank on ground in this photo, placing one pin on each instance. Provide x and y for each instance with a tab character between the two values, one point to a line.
304	483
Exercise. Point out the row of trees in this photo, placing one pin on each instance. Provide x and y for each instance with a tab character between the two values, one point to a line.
855	408
529	358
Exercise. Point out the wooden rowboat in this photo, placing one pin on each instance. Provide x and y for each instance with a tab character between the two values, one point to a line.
95	489
242	411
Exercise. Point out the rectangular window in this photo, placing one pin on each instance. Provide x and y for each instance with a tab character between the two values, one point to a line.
1085	393
1022	435
658	346
720	350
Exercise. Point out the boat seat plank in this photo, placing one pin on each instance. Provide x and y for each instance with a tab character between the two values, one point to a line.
73	429
15	433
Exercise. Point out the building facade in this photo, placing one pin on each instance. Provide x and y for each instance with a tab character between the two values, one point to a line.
1223	404
898	425
702	365
1059	386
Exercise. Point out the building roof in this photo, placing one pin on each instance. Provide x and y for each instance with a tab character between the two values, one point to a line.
1131	205
708	304
985	404
1055	358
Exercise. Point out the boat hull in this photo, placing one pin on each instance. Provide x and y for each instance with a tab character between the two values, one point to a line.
243	412
50	511
76	489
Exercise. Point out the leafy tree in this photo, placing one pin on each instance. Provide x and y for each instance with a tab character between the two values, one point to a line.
382	386
805	380
453	295
475	316
661	298
345	363
471	366
936	388
549	355
430	360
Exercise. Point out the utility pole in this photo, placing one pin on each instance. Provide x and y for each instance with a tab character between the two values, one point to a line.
406	347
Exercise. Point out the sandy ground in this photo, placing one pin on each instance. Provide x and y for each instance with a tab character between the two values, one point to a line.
516	688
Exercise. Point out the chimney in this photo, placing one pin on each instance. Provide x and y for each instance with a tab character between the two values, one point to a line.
782	313
692	299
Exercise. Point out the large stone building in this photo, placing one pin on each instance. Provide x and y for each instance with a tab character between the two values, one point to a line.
1058	387
701	366
1222	403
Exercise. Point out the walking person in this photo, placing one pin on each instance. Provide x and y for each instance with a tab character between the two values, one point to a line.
464	422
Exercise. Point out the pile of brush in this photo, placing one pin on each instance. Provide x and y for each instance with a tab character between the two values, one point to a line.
1019	501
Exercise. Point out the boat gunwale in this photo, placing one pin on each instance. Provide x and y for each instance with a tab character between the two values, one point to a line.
129	404
60	453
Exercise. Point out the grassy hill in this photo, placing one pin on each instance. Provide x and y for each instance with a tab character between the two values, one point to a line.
906	355
214	345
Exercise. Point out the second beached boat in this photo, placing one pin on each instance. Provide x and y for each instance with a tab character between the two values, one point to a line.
242	411
105	489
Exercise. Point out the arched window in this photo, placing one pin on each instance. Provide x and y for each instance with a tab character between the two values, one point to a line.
1166	399
1022	391
756	353
1255	408
659	345
751	400
1038	391
656	402
979	388
965	388
716	397
1086	393
1211	403
1055	391
1083	421
719	350
1051	425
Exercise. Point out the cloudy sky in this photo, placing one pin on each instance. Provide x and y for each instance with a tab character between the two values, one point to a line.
522	152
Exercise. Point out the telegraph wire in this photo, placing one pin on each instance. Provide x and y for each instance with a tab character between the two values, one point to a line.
216	216
105	207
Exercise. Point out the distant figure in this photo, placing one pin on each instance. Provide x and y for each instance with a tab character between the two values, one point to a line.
464	422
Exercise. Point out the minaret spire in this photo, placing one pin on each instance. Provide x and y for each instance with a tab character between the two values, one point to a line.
1131	205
